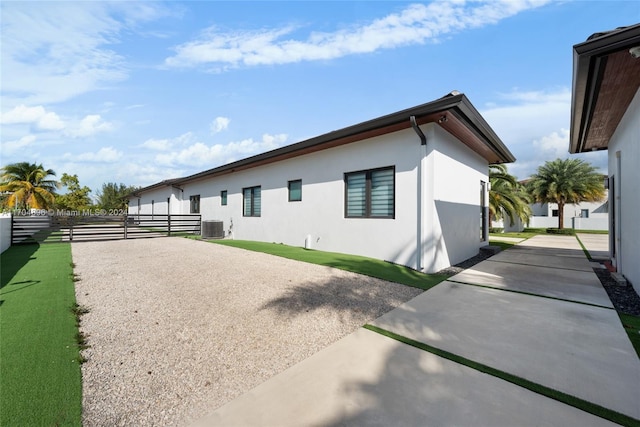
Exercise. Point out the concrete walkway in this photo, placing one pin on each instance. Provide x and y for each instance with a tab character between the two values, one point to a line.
535	311
597	245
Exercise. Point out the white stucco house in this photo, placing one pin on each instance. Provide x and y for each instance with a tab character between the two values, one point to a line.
605	115
409	187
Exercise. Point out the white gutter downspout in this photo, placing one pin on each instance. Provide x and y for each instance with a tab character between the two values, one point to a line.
420	225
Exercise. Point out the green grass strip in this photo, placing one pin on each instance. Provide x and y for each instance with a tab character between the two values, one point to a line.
503	245
632	327
40	374
565	398
356	264
584	249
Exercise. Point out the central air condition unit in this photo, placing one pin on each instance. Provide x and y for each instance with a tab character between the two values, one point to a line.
212	230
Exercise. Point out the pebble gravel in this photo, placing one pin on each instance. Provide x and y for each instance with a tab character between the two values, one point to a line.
178	327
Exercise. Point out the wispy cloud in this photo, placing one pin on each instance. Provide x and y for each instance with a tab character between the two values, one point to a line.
201	154
219	124
54	51
104	155
416	24
89	126
10	147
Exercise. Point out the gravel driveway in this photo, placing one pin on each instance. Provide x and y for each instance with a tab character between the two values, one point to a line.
178	327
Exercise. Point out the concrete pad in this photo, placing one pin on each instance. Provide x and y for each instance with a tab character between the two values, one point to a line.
553	242
572	285
541	259
597	245
368	379
579	349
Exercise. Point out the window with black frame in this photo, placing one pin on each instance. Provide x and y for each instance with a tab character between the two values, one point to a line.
370	193
252	203
194	204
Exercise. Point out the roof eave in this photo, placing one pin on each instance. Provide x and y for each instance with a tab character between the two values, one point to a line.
589	62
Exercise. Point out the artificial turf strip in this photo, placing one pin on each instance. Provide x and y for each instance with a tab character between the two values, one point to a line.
356	264
40	374
632	327
584	249
565	398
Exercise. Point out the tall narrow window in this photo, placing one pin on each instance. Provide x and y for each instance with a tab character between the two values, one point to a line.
483	211
252	201
295	190
584	213
370	194
194	204
223	197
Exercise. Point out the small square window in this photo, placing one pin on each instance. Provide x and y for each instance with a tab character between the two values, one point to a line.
554	212
295	190
223	197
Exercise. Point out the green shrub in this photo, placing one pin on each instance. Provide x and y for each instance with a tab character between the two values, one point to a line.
496	229
562	231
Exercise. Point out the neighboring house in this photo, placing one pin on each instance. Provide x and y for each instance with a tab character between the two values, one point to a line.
605	115
581	216
409	188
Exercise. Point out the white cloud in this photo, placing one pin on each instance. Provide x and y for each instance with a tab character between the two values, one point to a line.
157	144
219	124
200	154
168	144
555	145
10	147
57	50
90	125
38	116
416	24
104	155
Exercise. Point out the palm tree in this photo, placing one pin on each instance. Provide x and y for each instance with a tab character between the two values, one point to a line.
28	185
507	196
564	182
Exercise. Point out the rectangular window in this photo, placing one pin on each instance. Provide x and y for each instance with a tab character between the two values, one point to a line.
584	213
295	190
194	203
252	201
223	197
483	211
554	212
370	194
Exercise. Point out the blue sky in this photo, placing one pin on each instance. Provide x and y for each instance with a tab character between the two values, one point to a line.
138	92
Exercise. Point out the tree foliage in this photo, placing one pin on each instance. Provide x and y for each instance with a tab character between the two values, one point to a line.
28	185
114	196
77	197
507	197
564	182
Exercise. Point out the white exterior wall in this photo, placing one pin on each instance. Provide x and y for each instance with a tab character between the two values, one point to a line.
159	198
5	232
597	220
451	190
626	172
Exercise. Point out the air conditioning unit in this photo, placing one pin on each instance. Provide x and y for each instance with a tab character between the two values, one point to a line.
212	230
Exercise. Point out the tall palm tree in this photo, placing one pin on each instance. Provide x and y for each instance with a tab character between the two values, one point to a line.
29	185
507	196
564	182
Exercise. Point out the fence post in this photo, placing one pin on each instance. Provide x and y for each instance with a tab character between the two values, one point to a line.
169	224
126	221
11	241
70	228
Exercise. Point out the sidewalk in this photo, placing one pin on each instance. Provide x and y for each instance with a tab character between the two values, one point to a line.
534	315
